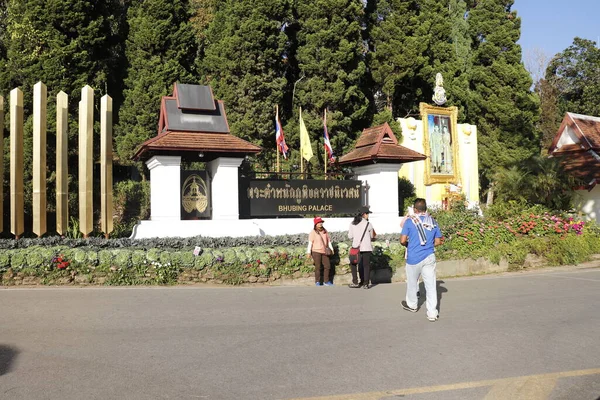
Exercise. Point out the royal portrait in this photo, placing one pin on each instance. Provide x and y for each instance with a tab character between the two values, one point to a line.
440	143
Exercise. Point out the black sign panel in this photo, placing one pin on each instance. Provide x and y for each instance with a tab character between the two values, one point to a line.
195	195
261	198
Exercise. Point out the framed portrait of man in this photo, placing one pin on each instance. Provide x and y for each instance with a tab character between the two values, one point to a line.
440	143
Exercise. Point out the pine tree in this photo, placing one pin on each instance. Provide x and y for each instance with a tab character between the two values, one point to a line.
411	41
331	62
66	44
245	63
461	44
501	102
160	50
395	52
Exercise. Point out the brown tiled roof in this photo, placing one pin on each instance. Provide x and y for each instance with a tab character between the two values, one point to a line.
192	121
196	142
585	127
379	144
581	160
582	165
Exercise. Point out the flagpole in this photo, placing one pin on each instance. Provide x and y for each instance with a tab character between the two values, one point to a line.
278	168
324	148
301	152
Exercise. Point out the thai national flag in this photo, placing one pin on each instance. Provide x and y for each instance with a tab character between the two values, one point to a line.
281	146
328	147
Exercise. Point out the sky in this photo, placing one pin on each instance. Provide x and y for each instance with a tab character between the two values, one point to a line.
549	26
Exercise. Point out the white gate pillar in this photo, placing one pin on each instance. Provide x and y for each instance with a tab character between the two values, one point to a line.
165	187
383	188
225	187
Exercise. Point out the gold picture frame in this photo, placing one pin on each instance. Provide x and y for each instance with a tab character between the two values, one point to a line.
440	143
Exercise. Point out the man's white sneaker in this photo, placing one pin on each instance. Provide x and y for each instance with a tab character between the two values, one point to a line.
433	319
407	308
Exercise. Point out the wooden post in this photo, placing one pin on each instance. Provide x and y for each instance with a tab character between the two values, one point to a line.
106	166
17	213
62	183
86	130
39	158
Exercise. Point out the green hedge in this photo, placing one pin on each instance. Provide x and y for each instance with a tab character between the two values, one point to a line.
163	266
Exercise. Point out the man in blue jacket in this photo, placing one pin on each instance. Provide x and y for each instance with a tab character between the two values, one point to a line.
420	234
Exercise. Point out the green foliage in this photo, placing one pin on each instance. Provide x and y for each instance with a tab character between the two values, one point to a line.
406	194
17	259
138	258
500	102
78	258
330	56
66	45
122	259
105	259
131	204
245	61
574	74
4	260
73	231
160	51
537	180
34	257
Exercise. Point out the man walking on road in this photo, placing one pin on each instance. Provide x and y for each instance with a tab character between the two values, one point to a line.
420	234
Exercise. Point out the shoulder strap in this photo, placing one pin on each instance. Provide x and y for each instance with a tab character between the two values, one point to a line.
321	237
363	235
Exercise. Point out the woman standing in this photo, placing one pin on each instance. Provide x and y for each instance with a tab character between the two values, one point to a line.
320	248
361	232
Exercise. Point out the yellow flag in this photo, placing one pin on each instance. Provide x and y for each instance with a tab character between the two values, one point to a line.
305	147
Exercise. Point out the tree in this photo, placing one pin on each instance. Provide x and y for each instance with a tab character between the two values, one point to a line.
66	44
410	42
331	62
501	103
245	63
537	62
536	180
575	74
396	54
160	50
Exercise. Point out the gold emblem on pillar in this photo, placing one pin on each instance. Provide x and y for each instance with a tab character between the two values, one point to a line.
17	213
86	130
106	166
194	194
62	189
39	158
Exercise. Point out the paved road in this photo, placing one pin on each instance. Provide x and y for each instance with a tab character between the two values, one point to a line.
530	335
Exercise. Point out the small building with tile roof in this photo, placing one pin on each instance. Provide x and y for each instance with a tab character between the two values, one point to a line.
376	159
577	145
193	125
379	145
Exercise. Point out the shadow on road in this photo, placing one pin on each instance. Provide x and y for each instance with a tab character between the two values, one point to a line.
7	357
439	288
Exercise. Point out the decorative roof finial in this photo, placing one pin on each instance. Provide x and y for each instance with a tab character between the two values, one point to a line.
439	94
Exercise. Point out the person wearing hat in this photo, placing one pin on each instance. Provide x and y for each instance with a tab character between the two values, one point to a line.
361	232
320	248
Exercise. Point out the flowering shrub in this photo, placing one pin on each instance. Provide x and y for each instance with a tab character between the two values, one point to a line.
60	262
470	235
